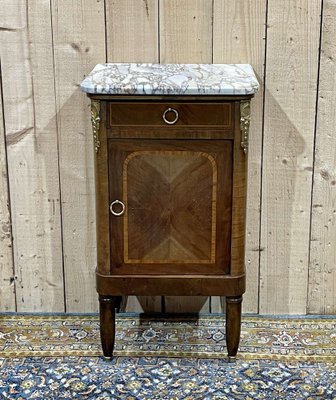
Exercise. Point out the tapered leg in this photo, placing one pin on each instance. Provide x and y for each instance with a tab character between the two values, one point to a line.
233	321
107	307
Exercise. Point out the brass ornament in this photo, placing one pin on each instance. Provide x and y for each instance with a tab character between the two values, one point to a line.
245	123
95	119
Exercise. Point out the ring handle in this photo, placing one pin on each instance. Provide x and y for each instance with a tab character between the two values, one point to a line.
117	213
164	116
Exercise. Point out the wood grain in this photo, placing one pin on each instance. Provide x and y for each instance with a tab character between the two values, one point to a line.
186	37
322	272
204	115
187	304
79	44
130	303
290	97
29	106
102	193
239	37
186	31
163	224
233	325
167	227
27	49
186	286
239	187
132	30
107	309
7	281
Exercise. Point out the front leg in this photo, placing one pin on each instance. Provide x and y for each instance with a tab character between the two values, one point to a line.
107	307
233	322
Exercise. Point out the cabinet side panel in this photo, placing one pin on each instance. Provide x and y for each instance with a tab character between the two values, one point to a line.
238	200
102	197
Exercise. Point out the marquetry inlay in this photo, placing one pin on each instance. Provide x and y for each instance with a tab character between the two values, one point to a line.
164	218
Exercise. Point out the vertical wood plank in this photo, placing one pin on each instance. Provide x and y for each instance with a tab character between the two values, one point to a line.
290	98
79	44
132	36
29	106
186	31
7	286
186	37
239	37
132	30
322	272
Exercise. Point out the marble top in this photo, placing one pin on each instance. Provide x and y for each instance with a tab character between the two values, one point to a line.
171	79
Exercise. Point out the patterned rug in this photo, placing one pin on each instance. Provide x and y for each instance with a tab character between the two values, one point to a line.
179	358
164	378
303	339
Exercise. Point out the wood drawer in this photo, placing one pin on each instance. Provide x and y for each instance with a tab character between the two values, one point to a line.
186	114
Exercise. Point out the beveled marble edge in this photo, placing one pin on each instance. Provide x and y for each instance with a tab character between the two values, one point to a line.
171	79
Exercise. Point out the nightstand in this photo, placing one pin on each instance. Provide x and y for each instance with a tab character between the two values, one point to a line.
171	145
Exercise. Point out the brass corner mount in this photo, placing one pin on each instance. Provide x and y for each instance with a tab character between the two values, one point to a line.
245	112
95	119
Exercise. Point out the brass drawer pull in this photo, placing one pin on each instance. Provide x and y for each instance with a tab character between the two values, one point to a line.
172	110
117	213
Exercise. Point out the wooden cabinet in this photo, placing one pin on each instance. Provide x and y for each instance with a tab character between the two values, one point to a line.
171	196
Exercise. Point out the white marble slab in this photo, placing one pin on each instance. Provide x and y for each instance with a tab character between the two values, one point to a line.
171	79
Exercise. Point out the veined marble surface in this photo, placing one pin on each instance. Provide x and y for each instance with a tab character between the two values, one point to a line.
171	79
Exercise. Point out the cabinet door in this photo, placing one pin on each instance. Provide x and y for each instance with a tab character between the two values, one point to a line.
177	199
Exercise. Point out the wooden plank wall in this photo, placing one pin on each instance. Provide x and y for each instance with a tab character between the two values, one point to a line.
47	223
293	39
78	41
32	156
322	267
7	293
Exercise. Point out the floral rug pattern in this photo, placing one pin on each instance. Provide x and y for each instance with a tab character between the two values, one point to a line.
180	358
310	339
133	378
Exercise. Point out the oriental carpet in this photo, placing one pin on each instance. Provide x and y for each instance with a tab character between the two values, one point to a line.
180	357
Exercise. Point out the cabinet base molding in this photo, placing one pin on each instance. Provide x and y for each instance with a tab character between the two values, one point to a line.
158	285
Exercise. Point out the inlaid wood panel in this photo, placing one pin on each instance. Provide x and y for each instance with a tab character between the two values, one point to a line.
162	223
177	196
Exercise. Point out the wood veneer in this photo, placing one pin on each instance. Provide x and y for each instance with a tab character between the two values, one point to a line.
184	191
190	114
